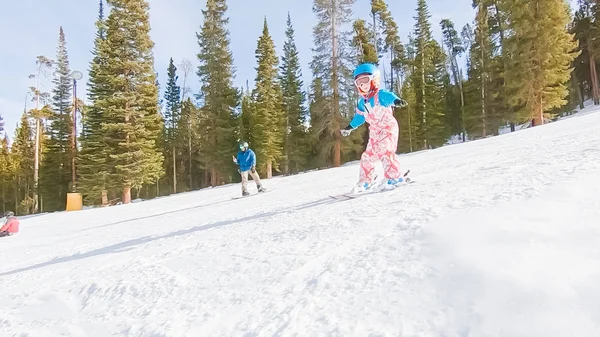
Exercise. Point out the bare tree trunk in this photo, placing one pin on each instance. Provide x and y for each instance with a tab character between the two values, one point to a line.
593	75
104	198
483	78
286	164
410	142
575	82
462	104
126	199
538	112
269	169
36	167
3	195
424	105
174	171
190	151
213	177
337	149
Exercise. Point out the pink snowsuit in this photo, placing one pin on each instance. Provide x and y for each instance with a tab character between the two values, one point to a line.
11	227
383	135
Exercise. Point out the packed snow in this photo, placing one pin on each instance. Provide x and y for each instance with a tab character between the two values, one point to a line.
497	237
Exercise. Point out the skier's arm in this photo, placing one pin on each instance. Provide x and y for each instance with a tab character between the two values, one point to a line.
357	120
388	98
253	156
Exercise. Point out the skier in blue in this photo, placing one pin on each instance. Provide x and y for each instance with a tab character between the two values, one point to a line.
376	108
246	159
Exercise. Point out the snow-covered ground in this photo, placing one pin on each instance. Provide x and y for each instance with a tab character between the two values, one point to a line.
498	237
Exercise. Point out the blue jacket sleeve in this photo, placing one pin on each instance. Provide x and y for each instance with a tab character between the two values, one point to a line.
359	117
388	98
252	158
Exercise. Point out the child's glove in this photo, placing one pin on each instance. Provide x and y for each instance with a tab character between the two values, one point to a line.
253	169
234	160
400	103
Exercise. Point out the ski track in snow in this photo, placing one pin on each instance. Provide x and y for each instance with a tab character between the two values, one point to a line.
497	237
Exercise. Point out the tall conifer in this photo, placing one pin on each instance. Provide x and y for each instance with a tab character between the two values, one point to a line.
541	52
55	172
131	121
333	63
218	95
93	166
268	123
294	100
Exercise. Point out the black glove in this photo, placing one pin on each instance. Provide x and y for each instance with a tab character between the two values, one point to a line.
253	169
400	103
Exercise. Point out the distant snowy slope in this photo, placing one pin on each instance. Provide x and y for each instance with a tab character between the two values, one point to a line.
498	237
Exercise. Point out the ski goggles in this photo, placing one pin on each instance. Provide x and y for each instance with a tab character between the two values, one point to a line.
363	79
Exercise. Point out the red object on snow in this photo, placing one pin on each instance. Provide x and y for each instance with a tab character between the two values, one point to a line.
11	226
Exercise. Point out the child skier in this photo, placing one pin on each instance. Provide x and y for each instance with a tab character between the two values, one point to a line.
246	159
375	108
10	226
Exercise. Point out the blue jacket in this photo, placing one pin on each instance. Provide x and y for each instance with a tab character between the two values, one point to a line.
386	99
246	160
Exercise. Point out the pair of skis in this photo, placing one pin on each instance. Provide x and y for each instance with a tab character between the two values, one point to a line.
373	189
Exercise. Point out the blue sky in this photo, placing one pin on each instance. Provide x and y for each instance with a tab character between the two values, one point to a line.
30	28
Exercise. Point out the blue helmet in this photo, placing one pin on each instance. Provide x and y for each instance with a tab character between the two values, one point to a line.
366	68
372	81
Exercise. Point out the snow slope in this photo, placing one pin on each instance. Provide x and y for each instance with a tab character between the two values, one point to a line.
498	237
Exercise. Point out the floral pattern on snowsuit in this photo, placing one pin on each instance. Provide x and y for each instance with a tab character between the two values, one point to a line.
383	135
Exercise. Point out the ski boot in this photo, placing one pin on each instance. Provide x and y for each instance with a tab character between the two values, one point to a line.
390	184
362	187
245	193
261	189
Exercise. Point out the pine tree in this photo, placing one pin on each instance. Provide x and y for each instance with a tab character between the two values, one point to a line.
131	121
172	114
246	118
93	162
332	63
455	49
392	43
363	43
39	113
426	77
22	154
6	177
220	98
294	100
439	85
486	107
541	52
55	172
318	122
190	141
586	26
268	120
